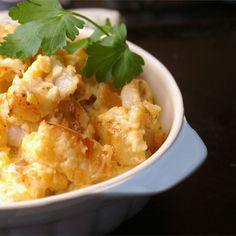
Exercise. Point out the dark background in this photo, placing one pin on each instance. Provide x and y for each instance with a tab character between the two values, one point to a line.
196	40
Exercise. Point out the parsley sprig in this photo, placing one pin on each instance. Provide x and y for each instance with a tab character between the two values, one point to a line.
46	25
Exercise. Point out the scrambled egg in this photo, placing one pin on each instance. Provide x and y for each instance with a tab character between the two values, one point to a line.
60	131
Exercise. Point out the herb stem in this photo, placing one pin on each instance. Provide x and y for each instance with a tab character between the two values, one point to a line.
89	20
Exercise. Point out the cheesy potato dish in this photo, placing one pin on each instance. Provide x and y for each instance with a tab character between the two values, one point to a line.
60	131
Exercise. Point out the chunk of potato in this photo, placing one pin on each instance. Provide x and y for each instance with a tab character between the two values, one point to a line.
80	159
121	129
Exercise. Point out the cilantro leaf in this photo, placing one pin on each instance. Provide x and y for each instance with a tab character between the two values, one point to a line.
24	43
71	25
100	60
128	66
111	59
74	46
50	23
35	10
97	34
53	32
54	40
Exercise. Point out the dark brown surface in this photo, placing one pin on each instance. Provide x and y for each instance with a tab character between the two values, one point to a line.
198	45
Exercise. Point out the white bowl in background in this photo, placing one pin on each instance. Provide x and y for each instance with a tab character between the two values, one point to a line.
100	208
98	15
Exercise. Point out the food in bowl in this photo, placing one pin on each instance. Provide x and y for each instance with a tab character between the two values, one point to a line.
73	111
60	131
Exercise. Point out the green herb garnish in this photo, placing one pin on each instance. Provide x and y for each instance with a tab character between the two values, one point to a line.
46	25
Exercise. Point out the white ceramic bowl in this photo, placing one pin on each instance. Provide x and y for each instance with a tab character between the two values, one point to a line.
100	208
